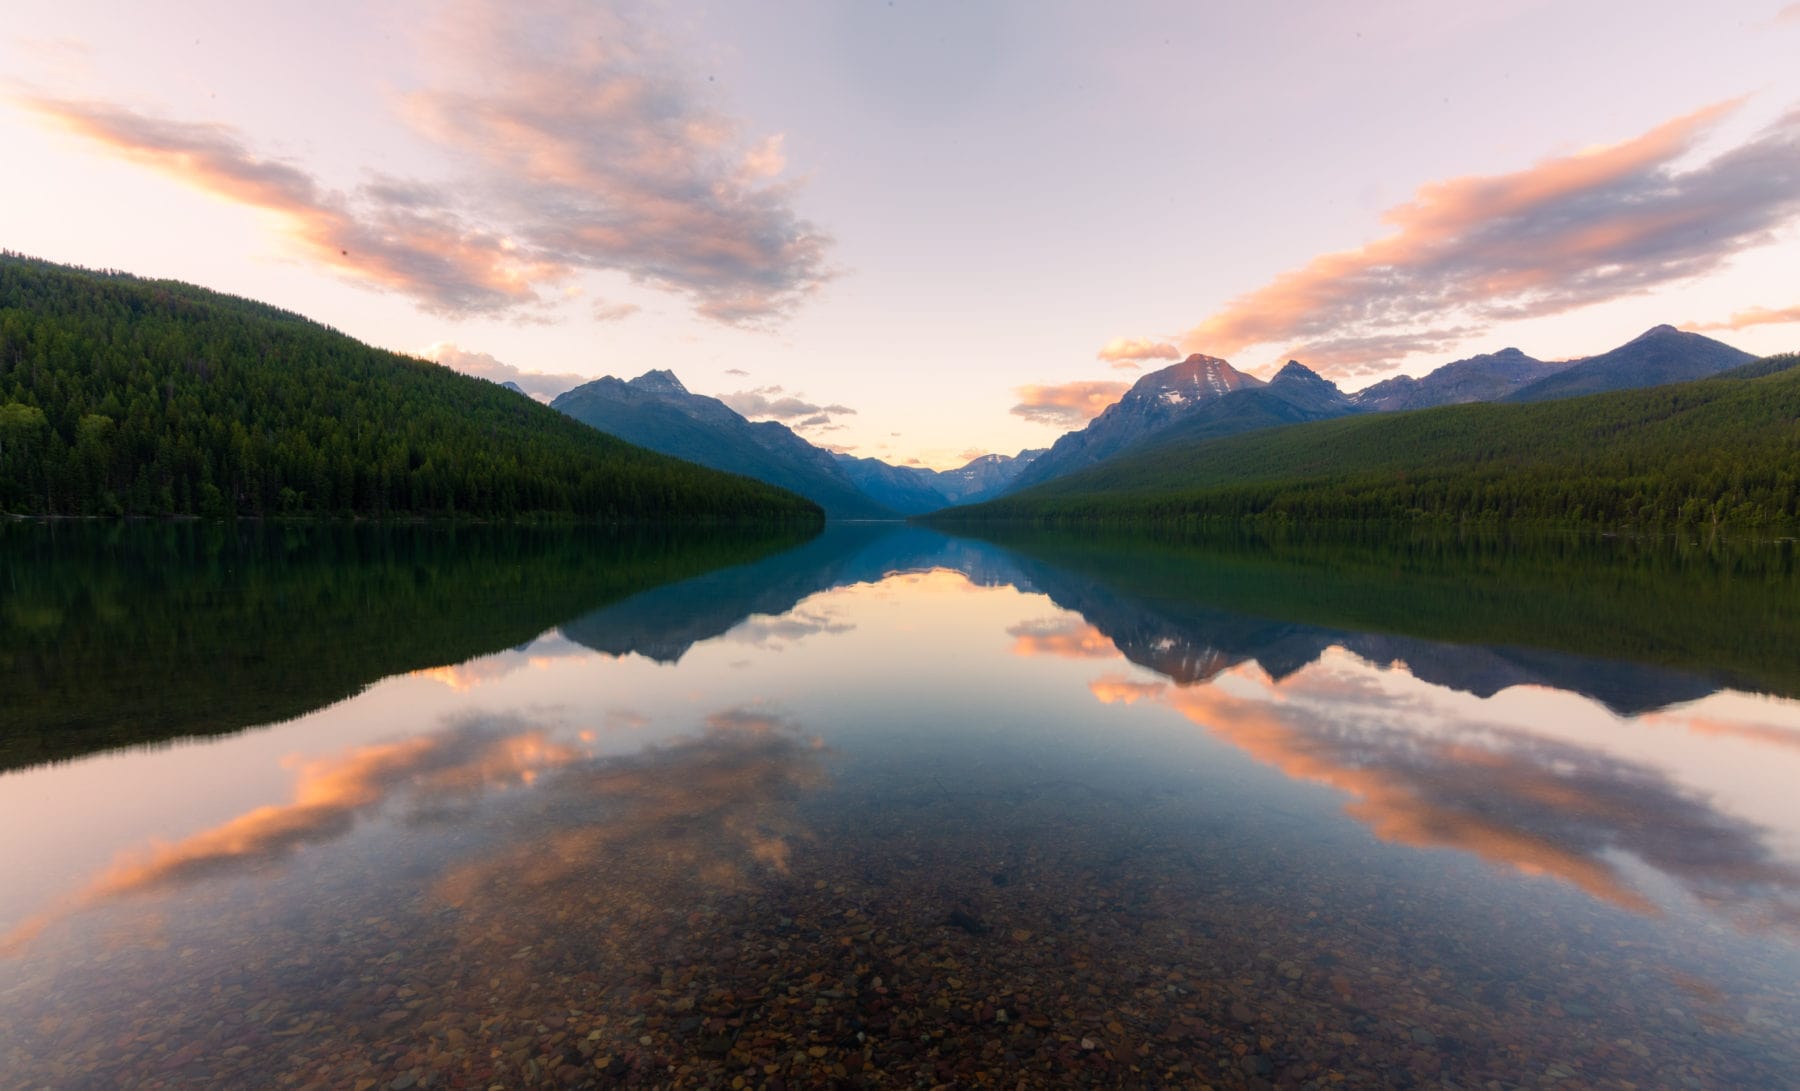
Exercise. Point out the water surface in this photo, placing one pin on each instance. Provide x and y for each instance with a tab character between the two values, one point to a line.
888	808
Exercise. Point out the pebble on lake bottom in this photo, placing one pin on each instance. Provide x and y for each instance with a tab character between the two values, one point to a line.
1009	940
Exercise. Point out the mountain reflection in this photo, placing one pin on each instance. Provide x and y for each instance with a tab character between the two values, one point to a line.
1419	775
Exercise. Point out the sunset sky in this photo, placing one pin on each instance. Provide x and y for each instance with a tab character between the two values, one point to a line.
926	230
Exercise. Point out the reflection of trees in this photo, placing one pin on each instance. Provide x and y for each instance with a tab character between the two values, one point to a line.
1636	623
112	636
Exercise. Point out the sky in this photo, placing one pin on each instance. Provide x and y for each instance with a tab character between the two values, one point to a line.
924	230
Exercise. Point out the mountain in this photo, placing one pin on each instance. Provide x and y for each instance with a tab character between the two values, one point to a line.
1199	398
914	490
1713	453
123	396
1485	378
1296	394
1662	354
654	410
1153	402
514	387
908	490
985	476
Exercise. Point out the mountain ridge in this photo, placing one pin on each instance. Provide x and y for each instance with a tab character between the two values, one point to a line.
1656	357
1153	402
656	411
1708	453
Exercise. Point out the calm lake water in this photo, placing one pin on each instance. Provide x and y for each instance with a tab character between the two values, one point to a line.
388	808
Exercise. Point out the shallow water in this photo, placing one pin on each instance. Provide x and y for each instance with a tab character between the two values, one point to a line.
891	808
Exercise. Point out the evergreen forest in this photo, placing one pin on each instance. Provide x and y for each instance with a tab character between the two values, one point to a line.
1717	454
123	396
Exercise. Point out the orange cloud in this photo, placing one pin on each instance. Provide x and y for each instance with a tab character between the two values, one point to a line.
1131	352
1753	316
1565	233
1068	405
1066	638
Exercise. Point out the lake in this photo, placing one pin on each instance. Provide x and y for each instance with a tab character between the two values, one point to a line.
389	807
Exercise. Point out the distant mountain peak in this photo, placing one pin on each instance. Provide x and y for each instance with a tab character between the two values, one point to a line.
1302	387
1663	330
1197	378
1293	371
660	381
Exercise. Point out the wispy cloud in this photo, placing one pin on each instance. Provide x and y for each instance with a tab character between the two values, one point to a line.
774	403
1752	316
384	235
541	385
579	146
612	312
1789	15
1067	405
602	155
1132	352
1566	233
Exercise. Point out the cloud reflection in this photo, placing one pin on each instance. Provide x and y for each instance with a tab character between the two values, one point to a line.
706	812
1533	804
330	796
776	633
1065	637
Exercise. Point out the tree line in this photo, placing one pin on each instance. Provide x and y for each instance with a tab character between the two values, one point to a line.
122	396
1720	453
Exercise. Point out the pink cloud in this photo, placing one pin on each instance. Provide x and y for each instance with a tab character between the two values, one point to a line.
579	146
1131	352
602	155
1067	405
1565	233
387	235
1752	316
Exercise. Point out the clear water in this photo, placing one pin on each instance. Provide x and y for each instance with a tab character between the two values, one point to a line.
888	808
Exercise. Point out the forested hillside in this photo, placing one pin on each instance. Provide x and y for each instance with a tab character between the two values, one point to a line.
1718	452
122	396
